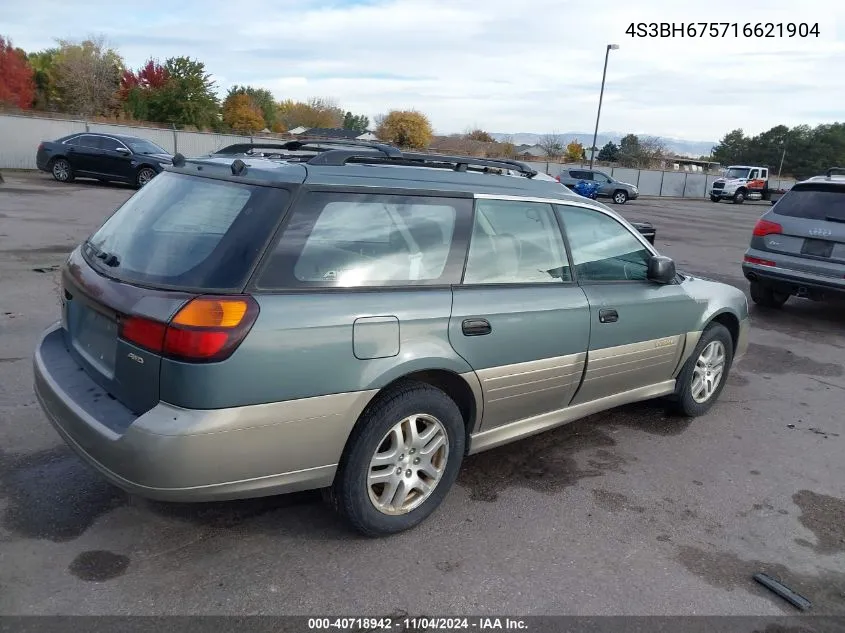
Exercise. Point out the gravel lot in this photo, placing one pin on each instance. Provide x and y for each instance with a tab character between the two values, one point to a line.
627	512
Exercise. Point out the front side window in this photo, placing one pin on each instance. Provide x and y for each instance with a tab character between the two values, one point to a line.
109	144
346	240
143	146
515	242
602	248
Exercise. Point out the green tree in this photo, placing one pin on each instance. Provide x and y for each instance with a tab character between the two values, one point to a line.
188	97
43	64
733	148
630	150
609	153
262	98
357	122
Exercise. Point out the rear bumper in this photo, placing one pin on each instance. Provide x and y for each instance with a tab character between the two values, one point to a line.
175	454
794	282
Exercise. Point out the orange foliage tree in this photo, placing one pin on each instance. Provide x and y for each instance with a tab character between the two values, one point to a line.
17	86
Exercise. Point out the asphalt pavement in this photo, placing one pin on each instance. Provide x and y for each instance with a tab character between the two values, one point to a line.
630	512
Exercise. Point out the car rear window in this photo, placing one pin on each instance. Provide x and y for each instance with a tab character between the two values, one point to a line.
187	232
813	202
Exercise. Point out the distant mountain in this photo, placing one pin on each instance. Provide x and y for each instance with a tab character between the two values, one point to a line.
679	146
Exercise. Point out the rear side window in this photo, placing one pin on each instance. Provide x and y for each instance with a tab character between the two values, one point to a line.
187	232
813	202
347	240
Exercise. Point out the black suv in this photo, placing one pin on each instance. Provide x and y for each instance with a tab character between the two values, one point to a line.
106	157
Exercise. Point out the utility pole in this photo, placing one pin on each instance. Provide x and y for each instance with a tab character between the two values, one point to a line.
610	47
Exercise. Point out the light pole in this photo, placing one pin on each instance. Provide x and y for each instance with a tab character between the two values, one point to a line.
610	47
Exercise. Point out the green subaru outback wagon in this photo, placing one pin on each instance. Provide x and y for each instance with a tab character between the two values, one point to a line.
352	317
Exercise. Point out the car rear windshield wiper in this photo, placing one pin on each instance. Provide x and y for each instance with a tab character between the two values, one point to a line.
109	259
834	218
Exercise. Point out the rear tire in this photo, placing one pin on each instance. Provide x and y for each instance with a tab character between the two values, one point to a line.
61	170
704	375
767	297
620	196
374	489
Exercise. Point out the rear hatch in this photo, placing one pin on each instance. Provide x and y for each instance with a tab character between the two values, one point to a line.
162	277
808	223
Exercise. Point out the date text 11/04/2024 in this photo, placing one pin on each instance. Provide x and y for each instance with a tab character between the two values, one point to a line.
723	29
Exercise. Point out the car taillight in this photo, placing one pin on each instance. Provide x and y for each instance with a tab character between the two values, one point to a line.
207	328
557	178
760	262
764	227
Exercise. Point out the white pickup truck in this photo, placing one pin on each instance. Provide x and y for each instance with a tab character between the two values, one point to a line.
741	183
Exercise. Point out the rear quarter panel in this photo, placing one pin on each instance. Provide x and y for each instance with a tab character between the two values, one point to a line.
302	346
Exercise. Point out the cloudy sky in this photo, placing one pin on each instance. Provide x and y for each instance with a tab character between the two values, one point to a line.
501	65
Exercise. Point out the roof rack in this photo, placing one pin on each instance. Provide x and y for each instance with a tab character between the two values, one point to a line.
833	169
309	144
420	159
357	151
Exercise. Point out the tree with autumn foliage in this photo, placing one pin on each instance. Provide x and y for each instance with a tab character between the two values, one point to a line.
242	115
263	100
88	76
405	128
17	87
316	112
479	135
140	91
574	151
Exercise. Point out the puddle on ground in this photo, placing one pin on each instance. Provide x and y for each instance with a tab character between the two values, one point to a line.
768	359
824	516
544	462
53	495
98	565
614	501
726	570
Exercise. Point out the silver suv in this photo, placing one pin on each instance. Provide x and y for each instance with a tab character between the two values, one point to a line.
798	246
618	191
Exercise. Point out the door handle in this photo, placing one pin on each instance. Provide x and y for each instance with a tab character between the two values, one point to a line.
608	316
476	327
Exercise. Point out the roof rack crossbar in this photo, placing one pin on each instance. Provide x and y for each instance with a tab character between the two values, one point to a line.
833	169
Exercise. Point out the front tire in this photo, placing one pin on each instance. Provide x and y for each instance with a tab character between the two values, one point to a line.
145	175
400	461
705	372
739	197
766	297
620	197
714	198
61	170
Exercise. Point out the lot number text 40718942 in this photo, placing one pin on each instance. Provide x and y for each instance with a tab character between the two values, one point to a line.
723	29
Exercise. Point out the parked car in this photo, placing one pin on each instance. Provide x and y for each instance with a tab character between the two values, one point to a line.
618	191
106	157
797	247
358	320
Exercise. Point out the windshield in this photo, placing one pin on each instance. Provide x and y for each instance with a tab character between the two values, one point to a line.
736	172
187	232
143	146
813	202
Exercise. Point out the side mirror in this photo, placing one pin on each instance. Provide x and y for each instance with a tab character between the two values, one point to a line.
122	150
661	269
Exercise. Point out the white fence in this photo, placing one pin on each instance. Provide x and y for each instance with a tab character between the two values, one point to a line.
654	182
20	136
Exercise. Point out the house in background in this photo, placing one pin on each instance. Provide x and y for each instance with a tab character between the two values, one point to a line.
530	152
334	133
